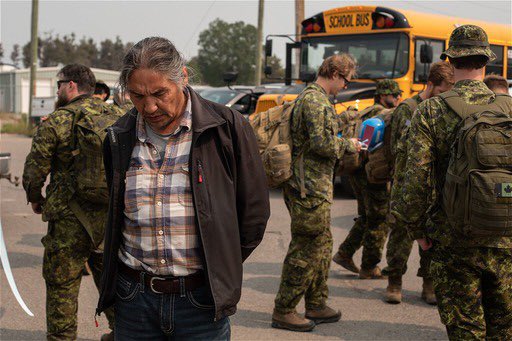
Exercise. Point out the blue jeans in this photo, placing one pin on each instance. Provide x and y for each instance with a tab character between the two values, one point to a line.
141	314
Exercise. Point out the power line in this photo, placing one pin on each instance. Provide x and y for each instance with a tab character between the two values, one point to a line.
198	25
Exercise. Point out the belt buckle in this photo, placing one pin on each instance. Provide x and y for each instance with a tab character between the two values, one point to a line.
151	284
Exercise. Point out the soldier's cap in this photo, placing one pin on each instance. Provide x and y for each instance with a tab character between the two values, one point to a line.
468	40
387	87
101	85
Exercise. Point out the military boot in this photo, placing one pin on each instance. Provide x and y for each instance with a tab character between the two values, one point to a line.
292	321
324	315
427	294
374	273
345	261
394	290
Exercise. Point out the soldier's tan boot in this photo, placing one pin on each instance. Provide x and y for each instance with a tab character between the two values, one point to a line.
292	321
427	294
324	315
374	273
394	290
345	261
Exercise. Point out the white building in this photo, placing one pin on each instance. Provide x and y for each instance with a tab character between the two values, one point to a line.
14	85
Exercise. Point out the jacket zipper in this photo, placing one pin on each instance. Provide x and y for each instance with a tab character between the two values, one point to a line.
201	180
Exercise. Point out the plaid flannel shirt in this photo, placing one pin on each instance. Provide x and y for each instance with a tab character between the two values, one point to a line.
160	234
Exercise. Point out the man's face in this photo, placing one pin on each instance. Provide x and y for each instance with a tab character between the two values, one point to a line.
390	101
63	90
443	87
101	96
339	83
159	100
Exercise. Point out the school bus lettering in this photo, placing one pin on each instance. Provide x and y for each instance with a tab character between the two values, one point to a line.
348	22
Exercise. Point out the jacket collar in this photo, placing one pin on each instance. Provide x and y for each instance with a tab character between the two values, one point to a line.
204	116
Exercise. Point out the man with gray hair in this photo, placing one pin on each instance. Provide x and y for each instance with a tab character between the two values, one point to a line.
188	204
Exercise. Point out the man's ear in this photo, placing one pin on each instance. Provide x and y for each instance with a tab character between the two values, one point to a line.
185	76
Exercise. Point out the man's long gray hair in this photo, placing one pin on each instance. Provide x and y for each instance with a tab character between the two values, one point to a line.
153	53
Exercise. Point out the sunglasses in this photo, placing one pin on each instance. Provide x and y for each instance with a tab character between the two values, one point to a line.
59	83
397	95
347	82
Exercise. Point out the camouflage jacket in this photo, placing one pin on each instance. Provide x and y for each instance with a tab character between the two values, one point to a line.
432	132
314	132
400	123
51	154
371	111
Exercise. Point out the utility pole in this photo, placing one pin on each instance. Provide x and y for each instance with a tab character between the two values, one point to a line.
259	43
299	18
33	59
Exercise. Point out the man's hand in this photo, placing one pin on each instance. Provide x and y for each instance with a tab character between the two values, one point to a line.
36	207
424	243
356	144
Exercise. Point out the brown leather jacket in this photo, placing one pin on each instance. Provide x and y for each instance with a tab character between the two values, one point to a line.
231	201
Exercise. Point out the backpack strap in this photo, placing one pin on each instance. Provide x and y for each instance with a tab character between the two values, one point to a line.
463	110
411	103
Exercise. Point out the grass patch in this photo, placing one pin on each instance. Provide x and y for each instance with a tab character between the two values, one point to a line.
14	124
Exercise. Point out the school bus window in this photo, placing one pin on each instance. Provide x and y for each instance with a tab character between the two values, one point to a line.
496	66
383	55
421	70
509	62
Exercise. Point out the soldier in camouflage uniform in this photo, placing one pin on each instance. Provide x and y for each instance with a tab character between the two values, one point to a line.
75	228
308	196
122	100
440	79
370	229
472	275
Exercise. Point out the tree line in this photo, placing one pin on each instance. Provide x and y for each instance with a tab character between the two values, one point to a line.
222	47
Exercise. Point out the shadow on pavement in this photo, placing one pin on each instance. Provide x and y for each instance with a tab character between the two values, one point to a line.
346	329
31	240
270	284
12	334
259	268
24	260
344	222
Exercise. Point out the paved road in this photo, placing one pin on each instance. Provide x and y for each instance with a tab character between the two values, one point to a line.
365	315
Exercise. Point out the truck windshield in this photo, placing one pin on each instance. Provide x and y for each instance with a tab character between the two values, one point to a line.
383	55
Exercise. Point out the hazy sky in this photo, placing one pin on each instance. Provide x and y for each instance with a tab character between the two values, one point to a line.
182	21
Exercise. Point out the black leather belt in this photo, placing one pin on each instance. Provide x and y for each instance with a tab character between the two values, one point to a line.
165	285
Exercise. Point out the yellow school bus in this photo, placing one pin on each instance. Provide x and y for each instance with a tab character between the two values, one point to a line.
386	43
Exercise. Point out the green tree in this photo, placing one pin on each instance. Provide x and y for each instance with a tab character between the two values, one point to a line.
194	72
277	70
227	47
27	55
111	54
86	52
15	54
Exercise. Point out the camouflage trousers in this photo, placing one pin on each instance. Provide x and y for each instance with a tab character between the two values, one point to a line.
473	287
370	229
306	266
399	250
67	247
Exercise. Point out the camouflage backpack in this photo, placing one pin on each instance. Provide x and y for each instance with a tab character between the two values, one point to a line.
379	168
350	123
477	193
273	132
87	170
